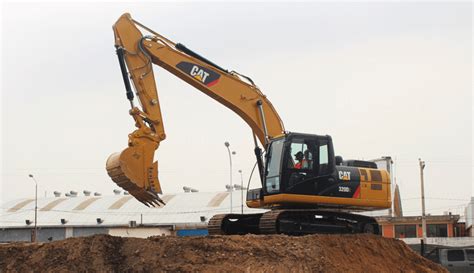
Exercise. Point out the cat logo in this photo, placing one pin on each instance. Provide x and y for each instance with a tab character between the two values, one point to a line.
199	73
344	175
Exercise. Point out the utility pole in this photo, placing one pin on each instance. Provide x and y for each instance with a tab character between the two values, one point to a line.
241	192
227	144
389	164
423	216
36	208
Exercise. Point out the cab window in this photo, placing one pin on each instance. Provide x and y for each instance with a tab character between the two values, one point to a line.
273	166
323	158
299	156
323	154
302	157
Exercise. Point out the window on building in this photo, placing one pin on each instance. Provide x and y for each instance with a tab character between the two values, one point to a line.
405	231
455	255
437	230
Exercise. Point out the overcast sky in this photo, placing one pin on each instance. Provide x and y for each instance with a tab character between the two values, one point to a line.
383	79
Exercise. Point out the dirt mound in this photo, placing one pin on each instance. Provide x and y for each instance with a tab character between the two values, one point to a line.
250	253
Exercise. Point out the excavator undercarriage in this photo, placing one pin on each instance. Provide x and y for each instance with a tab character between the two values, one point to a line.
292	222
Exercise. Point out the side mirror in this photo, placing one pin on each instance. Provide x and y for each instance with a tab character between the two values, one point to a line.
339	160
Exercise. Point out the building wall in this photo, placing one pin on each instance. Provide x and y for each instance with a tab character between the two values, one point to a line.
88	231
419	230
452	241
388	231
15	235
24	234
389	228
460	230
53	234
450	230
142	232
470	217
60	233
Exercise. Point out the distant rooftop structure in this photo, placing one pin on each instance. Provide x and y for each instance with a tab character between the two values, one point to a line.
72	209
469	212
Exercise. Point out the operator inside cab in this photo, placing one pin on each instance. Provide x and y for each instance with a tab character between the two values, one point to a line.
299	164
303	160
299	160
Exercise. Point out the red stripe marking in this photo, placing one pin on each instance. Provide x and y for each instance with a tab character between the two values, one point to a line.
357	193
212	83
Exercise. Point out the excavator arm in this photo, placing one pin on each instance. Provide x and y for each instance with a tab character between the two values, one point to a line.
134	169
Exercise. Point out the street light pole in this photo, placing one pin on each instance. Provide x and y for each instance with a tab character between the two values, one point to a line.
227	144
241	192
36	207
423	216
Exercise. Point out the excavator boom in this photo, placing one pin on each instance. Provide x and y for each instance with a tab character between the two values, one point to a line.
134	168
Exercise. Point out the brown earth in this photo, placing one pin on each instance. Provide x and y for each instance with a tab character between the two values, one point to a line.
249	253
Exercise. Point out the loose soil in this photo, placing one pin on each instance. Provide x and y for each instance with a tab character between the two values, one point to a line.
249	253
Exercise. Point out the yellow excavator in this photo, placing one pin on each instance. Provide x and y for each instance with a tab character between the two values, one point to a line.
306	188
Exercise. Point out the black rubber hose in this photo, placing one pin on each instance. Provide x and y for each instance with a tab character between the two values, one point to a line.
123	67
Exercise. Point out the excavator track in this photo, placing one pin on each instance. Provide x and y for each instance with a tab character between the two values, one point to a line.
233	224
269	222
311	221
214	226
292	222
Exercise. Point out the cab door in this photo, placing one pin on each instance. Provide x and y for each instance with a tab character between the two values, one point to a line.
307	160
274	158
325	168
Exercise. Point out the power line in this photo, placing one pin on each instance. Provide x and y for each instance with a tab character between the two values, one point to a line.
463	206
436	198
154	212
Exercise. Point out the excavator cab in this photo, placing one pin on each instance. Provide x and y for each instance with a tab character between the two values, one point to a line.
296	162
301	171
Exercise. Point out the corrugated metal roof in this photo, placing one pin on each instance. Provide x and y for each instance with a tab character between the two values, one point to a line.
20	205
216	201
180	209
119	203
53	204
84	204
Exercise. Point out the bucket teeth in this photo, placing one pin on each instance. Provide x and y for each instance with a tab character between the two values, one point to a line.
147	197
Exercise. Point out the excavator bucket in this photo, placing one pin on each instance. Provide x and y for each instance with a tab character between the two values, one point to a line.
134	171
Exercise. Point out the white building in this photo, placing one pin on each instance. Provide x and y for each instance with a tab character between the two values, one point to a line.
61	217
470	217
